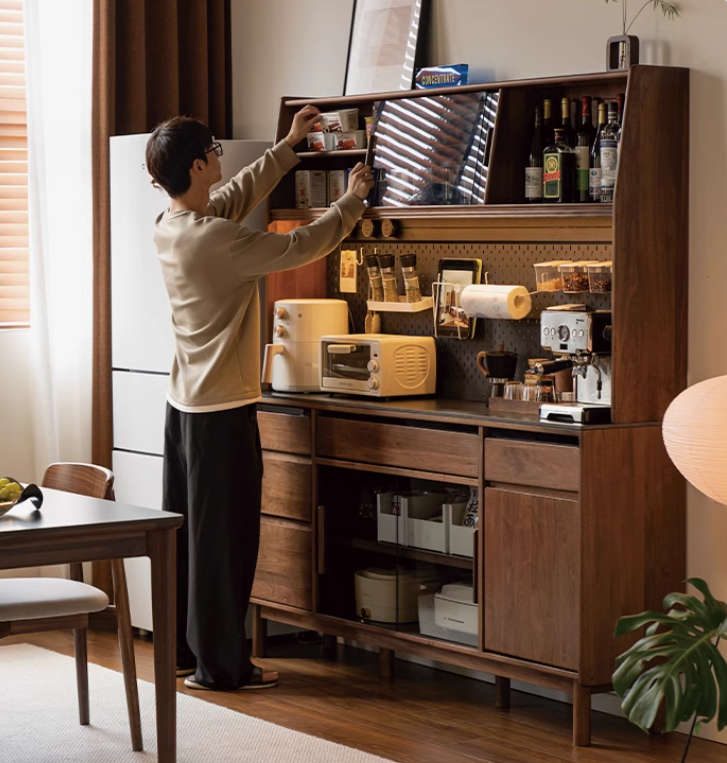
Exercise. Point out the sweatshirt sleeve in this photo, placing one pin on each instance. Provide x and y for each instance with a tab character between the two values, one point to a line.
254	253
237	198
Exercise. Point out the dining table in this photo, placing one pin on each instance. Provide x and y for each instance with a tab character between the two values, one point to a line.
75	528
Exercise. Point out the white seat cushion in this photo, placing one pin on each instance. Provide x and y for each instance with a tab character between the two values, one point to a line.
36	598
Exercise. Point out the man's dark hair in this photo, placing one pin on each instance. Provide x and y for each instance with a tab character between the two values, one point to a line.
172	149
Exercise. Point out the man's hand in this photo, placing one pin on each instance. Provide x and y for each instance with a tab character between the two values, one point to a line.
361	181
302	123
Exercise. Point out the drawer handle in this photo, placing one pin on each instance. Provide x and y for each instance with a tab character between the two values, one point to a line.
321	537
475	567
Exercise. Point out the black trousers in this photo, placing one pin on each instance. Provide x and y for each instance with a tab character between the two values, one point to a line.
213	476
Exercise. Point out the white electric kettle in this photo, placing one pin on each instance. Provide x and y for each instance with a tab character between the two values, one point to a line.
292	362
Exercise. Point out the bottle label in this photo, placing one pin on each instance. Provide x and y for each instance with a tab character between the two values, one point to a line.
533	182
583	157
551	176
609	160
594	184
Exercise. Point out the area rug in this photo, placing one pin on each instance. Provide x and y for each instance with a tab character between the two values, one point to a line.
39	721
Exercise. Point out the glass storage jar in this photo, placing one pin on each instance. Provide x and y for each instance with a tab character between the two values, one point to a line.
547	277
600	277
575	276
546	393
388	276
375	283
411	277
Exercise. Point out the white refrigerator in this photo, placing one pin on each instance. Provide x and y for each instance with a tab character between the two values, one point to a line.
142	341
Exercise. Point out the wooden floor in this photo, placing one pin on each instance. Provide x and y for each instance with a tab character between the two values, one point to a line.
423	716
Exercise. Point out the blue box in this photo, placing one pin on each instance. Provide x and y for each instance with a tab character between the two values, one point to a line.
448	75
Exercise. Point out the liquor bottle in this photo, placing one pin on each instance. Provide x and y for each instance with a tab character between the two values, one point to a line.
584	141
569	134
548	134
620	100
608	151
594	173
559	169
534	169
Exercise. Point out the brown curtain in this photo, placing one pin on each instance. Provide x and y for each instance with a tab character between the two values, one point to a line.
152	59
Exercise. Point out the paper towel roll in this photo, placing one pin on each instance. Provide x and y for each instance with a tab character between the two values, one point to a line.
499	302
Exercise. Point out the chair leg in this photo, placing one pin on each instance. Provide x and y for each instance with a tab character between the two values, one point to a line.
126	647
79	644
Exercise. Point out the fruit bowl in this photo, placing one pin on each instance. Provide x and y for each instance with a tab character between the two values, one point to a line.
5	507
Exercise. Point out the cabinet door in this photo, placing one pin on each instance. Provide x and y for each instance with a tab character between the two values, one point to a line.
531	576
284	567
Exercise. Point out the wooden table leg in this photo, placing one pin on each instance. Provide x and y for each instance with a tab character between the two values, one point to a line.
162	548
502	693
259	633
386	663
581	715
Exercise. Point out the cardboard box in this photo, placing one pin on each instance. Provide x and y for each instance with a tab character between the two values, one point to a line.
302	189
318	188
320	141
344	120
336	185
346	141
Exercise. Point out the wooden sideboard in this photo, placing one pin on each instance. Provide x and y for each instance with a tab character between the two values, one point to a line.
577	526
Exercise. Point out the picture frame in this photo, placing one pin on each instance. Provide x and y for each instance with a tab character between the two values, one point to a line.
383	46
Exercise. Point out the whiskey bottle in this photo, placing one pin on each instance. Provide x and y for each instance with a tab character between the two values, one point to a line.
534	168
584	141
608	151
594	173
559	169
569	134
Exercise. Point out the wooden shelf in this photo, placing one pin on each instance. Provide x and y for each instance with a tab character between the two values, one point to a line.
406	552
559	214
329	154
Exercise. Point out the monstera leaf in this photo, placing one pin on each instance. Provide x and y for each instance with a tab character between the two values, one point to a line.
678	660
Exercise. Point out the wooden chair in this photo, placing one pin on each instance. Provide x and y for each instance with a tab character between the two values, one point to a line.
31	605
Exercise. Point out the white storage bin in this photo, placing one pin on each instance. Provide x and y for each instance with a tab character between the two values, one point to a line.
395	510
421	530
455	610
461	538
427	626
390	521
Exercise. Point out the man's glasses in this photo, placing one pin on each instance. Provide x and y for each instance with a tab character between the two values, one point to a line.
216	147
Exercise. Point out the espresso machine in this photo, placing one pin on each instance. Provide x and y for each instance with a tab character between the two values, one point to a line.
580	339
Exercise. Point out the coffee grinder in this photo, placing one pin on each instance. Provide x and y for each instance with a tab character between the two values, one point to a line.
582	340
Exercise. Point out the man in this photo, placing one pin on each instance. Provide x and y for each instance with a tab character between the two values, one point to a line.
212	455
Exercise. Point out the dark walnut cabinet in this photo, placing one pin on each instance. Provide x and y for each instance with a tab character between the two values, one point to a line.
577	525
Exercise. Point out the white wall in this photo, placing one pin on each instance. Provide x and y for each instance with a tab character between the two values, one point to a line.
300	49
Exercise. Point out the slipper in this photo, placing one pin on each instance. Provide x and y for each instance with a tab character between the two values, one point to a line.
186	671
258	680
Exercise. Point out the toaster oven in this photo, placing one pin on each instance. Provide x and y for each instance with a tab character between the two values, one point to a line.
378	365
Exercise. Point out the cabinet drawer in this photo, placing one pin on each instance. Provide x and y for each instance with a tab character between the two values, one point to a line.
420	448
284	566
286	432
537	464
286	486
531	577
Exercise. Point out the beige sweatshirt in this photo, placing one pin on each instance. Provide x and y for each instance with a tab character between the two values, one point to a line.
210	266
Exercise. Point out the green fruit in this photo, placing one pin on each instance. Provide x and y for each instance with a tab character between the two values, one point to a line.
5	494
4	481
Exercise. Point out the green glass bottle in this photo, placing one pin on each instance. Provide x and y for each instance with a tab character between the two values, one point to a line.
559	171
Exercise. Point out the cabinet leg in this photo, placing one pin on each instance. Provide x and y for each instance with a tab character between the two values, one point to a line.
259	633
502	693
386	663
581	715
330	646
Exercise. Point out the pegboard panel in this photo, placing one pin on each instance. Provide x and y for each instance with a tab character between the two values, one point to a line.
512	263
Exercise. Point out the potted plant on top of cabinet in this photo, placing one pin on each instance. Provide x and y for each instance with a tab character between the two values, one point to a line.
623	50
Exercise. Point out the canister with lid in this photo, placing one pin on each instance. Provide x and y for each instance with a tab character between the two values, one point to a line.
388	276
372	267
411	277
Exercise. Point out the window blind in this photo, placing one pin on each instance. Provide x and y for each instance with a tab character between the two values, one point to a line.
14	281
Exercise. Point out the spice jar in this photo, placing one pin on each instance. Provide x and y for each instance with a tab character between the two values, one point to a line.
388	276
411	277
376	284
